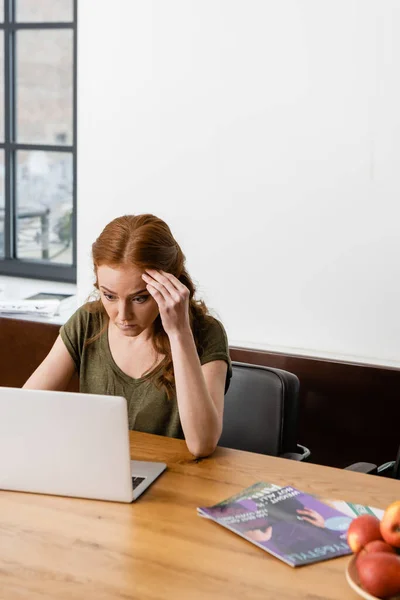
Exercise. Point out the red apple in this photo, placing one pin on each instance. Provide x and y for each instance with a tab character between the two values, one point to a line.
379	574
375	546
390	524
378	546
362	530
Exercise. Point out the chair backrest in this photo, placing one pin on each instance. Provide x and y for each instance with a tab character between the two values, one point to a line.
261	410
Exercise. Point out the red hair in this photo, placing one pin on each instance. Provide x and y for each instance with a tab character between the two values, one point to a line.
145	241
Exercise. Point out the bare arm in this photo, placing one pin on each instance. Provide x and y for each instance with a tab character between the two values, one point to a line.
55	372
200	395
199	389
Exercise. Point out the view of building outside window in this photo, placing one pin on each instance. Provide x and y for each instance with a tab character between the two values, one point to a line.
43	105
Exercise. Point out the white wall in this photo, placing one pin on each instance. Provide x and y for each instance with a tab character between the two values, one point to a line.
267	134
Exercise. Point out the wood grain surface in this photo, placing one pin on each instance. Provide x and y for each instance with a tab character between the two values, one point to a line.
158	548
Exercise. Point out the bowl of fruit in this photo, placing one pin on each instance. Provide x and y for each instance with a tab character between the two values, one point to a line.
374	570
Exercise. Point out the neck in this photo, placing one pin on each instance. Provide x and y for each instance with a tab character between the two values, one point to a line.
143	338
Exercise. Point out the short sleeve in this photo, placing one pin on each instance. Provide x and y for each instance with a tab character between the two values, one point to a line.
74	333
216	347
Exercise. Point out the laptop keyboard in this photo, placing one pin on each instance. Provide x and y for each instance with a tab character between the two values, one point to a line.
136	481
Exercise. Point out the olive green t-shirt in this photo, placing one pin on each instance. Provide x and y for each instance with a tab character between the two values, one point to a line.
149	408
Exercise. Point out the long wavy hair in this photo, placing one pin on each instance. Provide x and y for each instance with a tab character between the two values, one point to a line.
146	242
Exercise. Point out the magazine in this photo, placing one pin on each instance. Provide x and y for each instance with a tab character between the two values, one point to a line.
348	508
355	510
293	526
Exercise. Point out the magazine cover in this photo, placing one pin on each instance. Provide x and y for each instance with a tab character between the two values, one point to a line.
348	508
293	526
261	486
355	510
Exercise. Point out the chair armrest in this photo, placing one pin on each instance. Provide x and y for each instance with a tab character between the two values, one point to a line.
363	467
386	470
303	454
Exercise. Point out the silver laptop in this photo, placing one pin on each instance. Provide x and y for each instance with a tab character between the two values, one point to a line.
69	444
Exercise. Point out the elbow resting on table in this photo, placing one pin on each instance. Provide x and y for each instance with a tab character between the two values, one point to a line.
201	448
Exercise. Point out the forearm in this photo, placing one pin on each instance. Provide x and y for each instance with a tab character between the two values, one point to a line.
200	418
201	423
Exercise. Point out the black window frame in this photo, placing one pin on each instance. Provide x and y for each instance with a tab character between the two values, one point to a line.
10	264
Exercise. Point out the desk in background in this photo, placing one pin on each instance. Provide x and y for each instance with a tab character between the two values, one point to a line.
56	548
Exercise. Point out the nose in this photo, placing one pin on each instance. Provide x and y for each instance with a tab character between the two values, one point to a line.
125	311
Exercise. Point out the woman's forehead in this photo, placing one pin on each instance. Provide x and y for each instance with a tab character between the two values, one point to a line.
122	279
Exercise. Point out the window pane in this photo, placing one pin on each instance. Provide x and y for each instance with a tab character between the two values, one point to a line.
44	206
1	11
44	86
2	86
1	203
44	10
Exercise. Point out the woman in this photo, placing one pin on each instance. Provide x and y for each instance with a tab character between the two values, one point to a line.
146	338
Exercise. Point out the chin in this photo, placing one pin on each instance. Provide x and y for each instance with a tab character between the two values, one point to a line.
132	331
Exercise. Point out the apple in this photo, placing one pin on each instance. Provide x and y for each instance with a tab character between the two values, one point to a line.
378	546
390	524
379	574
362	530
375	546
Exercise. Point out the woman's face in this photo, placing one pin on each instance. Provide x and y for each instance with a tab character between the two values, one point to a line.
130	307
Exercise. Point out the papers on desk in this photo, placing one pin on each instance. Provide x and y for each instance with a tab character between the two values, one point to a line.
42	308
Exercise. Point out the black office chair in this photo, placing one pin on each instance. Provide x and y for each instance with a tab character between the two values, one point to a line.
388	469
261	412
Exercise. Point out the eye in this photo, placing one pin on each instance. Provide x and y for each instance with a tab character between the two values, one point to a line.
139	299
108	296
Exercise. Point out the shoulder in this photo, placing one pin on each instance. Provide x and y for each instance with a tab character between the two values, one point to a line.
85	323
213	344
213	331
86	316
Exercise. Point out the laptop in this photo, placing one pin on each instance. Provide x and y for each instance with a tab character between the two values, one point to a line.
69	444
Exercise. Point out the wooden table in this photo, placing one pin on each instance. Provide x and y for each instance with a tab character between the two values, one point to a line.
157	547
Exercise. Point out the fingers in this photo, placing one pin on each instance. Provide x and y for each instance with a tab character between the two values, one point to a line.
305	511
166	284
165	291
311	516
174	280
158	297
308	520
167	278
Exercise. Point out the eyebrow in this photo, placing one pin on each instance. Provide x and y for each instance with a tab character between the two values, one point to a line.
103	287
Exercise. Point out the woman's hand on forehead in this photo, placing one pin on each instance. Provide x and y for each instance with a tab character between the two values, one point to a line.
172	298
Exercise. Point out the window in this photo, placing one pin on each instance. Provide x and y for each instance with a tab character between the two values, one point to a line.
38	139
